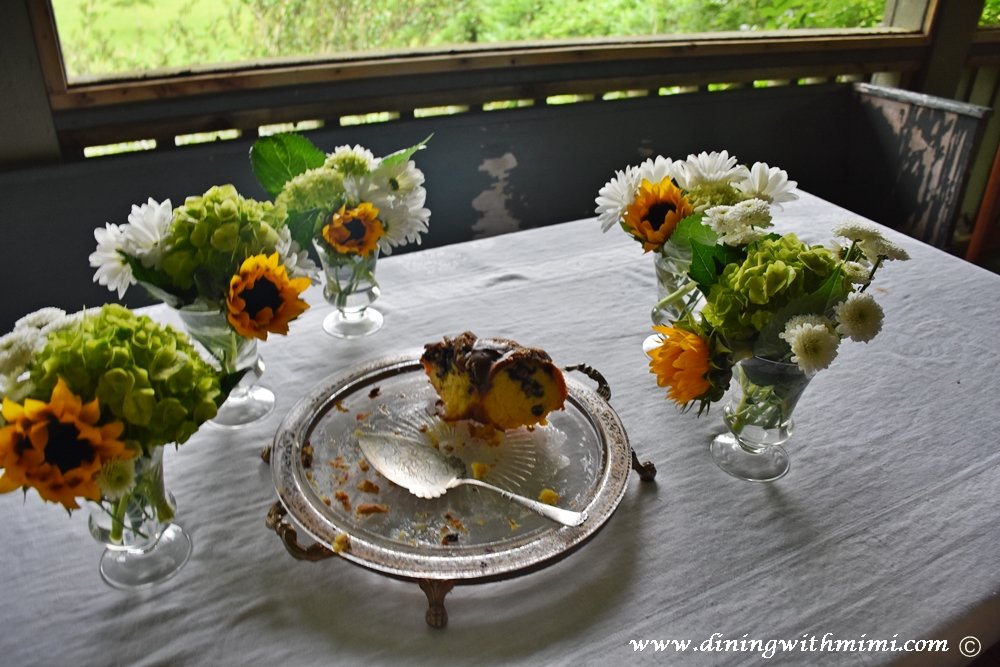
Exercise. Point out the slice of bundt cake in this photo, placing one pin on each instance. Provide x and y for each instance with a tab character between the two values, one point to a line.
493	381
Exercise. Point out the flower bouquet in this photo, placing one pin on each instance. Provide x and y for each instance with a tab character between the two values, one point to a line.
350	205
775	313
89	401
228	265
650	201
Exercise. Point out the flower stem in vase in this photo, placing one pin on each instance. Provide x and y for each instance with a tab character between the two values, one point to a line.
759	419
351	288
142	546
247	402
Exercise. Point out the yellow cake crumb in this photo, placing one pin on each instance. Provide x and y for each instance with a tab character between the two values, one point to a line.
368	487
341	543
479	470
549	497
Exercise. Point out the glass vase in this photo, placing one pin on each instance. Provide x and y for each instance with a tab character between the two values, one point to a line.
676	294
759	419
351	288
247	402
143	546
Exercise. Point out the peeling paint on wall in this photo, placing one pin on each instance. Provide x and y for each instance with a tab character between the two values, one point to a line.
932	149
492	203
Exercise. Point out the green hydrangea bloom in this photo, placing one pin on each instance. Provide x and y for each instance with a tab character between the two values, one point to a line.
144	374
775	271
212	235
706	196
316	189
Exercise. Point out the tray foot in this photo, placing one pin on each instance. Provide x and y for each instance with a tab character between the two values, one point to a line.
435	590
276	521
265	455
647	471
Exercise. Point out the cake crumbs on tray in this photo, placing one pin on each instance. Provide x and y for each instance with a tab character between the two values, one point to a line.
339	404
374	393
341	543
367	509
449	539
549	497
361	416
454	522
363	464
344	499
514	525
368	486
307	456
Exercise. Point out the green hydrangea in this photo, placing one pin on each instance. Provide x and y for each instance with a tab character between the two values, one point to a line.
144	374
212	235
776	271
706	196
317	189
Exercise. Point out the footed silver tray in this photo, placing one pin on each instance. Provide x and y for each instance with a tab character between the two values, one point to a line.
581	458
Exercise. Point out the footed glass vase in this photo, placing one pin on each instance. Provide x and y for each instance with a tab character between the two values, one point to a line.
247	402
143	546
351	288
759	418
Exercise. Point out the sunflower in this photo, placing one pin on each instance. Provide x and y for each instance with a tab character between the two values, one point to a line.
355	231
262	299
681	362
654	213
57	447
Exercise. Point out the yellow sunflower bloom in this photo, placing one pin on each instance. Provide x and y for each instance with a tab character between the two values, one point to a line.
57	447
655	212
355	231
262	299
681	362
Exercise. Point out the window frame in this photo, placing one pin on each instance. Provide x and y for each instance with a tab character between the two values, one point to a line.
155	103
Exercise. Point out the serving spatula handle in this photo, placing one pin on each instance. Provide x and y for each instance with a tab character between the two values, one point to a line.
565	517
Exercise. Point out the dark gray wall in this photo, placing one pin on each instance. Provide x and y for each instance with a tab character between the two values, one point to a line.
563	155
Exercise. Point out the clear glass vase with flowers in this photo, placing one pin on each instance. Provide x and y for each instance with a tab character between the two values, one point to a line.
89	402
774	315
230	268
652	200
350	206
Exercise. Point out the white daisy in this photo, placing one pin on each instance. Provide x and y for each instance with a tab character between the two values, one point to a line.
399	179
112	268
404	218
356	161
295	260
859	318
148	226
814	345
656	170
709	169
357	189
768	183
615	197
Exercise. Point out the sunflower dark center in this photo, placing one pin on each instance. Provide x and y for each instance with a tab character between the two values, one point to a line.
356	229
658	214
64	449
262	295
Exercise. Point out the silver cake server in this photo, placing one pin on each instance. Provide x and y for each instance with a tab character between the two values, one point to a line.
429	473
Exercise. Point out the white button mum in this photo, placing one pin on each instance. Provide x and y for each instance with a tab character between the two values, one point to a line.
859	318
870	239
814	344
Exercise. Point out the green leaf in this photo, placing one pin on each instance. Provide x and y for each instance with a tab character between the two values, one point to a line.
691	228
708	261
402	156
829	294
304	225
279	158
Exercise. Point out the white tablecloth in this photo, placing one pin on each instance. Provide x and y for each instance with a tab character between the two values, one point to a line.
886	527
